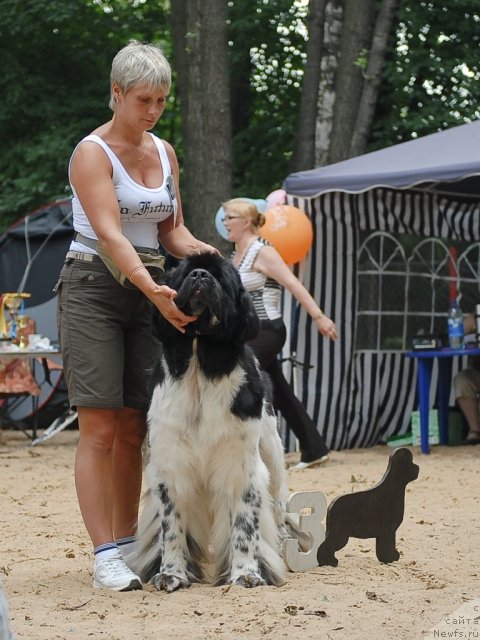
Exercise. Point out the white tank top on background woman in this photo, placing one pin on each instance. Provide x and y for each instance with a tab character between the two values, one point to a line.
265	292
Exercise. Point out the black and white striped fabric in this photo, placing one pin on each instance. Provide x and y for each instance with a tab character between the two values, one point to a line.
358	399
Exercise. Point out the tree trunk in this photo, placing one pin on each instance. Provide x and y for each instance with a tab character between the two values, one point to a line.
356	39
368	101
328	70
304	154
199	30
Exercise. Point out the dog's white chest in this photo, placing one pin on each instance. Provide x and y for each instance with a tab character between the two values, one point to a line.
195	407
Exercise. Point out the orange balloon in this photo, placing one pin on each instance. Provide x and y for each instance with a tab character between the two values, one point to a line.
289	230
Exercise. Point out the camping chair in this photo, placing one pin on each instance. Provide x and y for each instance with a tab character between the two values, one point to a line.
16	383
59	424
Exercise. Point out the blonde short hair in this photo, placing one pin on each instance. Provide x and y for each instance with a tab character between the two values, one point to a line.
139	63
247	210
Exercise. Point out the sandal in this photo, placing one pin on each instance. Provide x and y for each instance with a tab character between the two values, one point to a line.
472	438
305	465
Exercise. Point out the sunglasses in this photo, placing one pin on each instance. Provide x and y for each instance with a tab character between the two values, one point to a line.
228	218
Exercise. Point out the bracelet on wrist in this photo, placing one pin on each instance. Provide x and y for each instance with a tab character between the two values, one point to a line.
135	270
318	316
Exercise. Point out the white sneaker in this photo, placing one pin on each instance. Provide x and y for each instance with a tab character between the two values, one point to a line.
112	573
305	465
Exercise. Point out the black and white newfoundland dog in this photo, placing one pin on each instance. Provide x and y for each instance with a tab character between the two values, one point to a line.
214	506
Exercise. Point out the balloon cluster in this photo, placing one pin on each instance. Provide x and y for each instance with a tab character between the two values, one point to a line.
287	228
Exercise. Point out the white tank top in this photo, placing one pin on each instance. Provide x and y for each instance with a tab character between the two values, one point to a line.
266	293
141	208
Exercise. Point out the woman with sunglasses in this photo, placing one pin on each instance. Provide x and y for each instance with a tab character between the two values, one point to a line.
264	273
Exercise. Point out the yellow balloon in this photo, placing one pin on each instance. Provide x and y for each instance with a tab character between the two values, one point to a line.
289	230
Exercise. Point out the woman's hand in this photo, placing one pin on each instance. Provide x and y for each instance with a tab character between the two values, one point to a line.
326	327
163	298
203	247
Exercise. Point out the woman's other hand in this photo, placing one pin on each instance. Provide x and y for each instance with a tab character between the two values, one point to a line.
326	327
203	247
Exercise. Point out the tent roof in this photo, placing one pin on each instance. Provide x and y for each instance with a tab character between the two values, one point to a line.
447	156
51	220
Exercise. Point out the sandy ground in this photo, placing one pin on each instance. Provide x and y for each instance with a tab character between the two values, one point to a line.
46	561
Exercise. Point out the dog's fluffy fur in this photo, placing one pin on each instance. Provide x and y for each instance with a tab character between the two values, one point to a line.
214	501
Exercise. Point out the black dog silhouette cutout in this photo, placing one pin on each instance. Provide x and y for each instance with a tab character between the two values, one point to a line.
374	513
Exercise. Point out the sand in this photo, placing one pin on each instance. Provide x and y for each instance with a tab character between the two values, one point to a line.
46	560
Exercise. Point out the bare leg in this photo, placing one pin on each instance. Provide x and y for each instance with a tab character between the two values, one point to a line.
127	471
470	410
108	471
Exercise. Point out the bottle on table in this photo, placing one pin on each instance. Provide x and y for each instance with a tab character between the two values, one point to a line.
455	326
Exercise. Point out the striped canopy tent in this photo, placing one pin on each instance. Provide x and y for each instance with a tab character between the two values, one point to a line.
428	187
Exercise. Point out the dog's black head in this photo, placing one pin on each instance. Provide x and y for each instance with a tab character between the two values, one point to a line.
208	286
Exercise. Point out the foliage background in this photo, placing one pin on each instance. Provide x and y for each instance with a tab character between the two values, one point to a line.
55	84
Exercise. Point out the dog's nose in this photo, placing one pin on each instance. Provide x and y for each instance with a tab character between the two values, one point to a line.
199	274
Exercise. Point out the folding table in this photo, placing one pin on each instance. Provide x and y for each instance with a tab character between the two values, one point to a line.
425	360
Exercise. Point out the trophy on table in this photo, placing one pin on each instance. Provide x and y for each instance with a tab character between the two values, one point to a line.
13	329
21	338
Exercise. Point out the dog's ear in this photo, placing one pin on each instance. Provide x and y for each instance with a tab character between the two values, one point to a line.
248	324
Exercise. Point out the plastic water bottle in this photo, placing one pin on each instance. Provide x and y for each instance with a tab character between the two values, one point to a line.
455	326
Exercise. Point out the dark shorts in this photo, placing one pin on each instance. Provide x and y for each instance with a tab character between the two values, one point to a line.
105	336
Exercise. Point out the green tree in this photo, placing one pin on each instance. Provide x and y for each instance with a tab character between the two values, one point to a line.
390	71
432	77
55	87
347	41
267	54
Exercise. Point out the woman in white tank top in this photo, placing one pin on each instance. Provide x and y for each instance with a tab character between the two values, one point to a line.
125	193
263	274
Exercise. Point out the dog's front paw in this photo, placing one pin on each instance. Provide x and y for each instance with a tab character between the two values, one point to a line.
248	580
169	583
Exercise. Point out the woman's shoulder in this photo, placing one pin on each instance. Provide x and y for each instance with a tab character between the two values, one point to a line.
264	242
172	156
92	154
256	246
267	256
160	141
100	135
165	146
259	244
92	149
258	253
95	139
102	130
